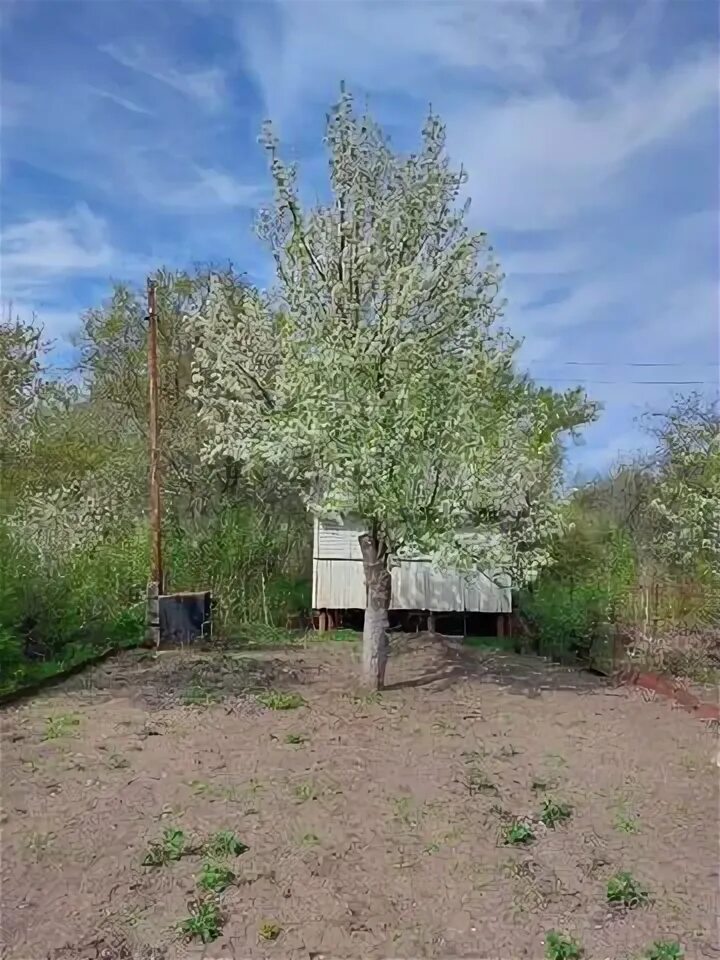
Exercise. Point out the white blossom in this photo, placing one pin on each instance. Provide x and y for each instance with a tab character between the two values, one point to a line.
374	376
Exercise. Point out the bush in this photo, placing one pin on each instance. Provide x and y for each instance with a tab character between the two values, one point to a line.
586	587
565	619
67	610
59	611
256	563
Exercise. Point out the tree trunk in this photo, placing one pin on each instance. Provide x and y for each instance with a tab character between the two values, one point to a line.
379	587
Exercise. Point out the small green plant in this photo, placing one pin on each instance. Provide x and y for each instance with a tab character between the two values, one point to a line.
269	930
199	696
518	833
624	889
296	738
60	726
554	812
665	950
406	811
215	878
478	782
559	946
626	823
204	923
39	843
275	700
310	840
305	791
170	847
224	843
199	787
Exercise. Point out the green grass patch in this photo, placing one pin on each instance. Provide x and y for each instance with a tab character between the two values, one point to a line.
664	950
342	635
198	696
259	636
275	700
489	643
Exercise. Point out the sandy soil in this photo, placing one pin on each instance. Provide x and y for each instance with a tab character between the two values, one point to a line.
380	834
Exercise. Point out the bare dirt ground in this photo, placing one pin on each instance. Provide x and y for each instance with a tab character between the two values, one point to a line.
378	833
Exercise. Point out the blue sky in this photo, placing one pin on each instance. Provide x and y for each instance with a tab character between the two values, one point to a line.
589	131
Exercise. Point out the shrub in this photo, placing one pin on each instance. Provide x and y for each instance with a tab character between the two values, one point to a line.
60	610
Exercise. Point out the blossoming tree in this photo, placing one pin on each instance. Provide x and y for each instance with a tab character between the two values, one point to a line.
687	488
374	376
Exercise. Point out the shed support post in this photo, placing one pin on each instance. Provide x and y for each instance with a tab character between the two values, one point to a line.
322	622
431	623
500	628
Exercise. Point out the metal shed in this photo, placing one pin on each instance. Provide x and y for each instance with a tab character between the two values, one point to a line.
339	579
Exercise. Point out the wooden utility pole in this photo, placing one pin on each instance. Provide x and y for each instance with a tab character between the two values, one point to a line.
156	585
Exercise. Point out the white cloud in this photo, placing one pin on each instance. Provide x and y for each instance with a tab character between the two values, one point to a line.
665	285
539	152
124	102
47	247
41	256
206	189
538	162
298	51
567	116
206	87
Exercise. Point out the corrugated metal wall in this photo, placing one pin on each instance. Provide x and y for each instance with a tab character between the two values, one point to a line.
339	580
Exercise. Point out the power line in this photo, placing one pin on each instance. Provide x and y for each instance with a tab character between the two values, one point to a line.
621	363
677	383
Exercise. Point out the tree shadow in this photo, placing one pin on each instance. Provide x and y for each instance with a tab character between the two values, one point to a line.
440	662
